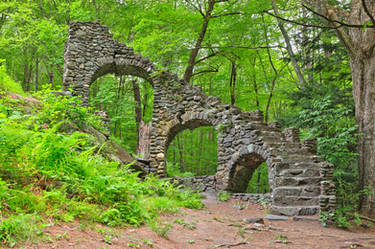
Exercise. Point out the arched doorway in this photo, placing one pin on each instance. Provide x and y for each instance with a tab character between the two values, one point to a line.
246	174
193	153
128	104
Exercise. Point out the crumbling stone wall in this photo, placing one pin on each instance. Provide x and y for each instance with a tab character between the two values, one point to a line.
301	182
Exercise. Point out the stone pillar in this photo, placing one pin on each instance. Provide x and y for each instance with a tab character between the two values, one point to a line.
257	115
275	125
292	134
327	199
310	145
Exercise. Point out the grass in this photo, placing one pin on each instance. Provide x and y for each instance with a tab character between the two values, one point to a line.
223	196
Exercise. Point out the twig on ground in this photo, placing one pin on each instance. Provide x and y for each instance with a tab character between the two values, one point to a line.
232	245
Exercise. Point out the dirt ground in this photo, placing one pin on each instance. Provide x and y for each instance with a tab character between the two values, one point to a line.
218	225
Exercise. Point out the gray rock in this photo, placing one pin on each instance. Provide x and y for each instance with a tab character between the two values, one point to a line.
276	217
299	218
254	220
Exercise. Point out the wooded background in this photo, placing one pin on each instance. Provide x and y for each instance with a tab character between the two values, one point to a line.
286	58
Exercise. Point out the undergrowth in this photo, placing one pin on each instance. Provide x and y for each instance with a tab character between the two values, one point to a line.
6	82
46	173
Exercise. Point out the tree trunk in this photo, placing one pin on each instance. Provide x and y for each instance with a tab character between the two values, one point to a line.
359	42
25	76
258	182
232	83
255	82
29	78
180	147
289	47
194	52
51	77
363	73
36	74
274	70
143	147
145	100
137	107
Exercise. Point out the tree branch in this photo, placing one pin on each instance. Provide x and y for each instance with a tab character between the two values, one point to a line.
215	70
226	14
244	47
207	57
299	23
343	14
341	24
232	245
368	12
195	7
329	14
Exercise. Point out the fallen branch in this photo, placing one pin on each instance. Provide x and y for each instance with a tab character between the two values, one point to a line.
367	218
232	245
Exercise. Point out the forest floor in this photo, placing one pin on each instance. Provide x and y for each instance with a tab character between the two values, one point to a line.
218	225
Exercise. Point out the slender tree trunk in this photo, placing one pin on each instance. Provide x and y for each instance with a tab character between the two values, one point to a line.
255	83
51	77
258	182
143	147
29	78
36	74
194	52
289	47
138	104
200	145
274	70
174	151
232	83
145	101
180	147
25	76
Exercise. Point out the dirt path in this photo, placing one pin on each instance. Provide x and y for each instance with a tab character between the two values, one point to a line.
219	225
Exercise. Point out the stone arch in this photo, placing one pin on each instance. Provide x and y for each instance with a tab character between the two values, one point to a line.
242	165
189	120
91	52
301	182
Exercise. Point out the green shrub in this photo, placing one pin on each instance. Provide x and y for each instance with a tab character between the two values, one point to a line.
7	83
20	228
64	177
223	196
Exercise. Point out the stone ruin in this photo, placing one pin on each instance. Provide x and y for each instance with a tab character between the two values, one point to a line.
300	181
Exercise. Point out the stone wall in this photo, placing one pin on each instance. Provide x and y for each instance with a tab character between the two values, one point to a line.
201	183
300	181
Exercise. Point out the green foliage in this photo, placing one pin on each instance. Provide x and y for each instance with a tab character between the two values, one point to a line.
115	95
223	196
64	177
174	170
335	128
263	185
328	115
34	152
19	227
7	83
193	153
161	228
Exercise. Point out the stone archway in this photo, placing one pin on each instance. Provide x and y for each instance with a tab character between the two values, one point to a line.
300	181
242	171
